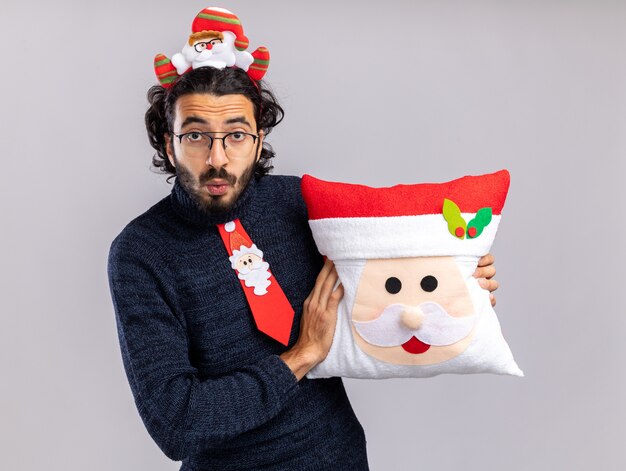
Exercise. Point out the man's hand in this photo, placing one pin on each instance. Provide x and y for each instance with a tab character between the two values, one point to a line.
485	272
317	326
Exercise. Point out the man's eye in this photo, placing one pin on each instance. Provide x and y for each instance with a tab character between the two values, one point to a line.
195	138
201	46
393	285
215	41
236	138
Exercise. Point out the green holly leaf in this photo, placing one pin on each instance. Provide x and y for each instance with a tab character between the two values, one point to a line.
452	215
481	220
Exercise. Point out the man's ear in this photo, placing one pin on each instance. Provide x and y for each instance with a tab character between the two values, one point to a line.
168	149
261	137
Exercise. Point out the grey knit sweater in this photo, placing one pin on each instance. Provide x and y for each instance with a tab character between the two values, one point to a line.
209	387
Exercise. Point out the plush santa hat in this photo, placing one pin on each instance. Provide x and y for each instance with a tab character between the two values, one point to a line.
220	19
459	217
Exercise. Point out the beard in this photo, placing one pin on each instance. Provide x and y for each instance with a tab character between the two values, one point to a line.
257	277
209	203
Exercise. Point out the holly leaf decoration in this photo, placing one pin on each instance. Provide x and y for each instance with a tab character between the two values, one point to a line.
452	215
481	220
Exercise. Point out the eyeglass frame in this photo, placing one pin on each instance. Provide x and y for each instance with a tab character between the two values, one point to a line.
207	43
212	138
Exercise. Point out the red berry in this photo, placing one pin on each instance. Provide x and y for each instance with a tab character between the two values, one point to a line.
471	232
459	231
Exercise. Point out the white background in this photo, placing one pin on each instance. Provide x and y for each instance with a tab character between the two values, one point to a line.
374	93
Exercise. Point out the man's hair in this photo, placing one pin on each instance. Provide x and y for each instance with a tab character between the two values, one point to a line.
227	81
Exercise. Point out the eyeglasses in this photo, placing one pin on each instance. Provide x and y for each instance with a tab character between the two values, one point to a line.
202	45
198	145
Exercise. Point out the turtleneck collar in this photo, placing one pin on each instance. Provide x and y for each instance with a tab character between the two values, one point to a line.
246	206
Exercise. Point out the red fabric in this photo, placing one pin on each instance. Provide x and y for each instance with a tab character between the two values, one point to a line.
164	71
342	200
207	24
272	311
256	70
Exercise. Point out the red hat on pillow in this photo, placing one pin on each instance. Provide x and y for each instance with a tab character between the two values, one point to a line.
459	217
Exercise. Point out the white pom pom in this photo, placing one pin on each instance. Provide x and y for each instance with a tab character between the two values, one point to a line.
229	226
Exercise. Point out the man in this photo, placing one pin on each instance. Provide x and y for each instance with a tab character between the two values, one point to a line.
212	390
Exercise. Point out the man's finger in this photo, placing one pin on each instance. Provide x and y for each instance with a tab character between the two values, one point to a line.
485	272
335	297
492	298
490	285
327	287
321	277
486	260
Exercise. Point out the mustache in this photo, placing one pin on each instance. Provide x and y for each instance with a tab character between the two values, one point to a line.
213	172
204	55
437	327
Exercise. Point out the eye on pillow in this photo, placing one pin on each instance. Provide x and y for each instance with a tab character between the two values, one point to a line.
405	256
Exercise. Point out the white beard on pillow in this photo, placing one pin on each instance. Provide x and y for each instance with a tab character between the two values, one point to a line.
411	306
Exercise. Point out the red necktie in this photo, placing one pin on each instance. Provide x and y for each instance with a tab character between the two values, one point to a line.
270	307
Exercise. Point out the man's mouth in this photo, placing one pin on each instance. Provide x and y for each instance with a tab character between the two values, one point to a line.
414	345
217	188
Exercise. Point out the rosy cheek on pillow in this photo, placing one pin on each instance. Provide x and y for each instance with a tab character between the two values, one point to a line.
409	283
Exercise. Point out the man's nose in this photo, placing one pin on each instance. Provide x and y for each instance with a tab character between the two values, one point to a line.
217	154
412	317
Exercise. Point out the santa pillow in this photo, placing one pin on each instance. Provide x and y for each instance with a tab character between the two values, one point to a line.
405	256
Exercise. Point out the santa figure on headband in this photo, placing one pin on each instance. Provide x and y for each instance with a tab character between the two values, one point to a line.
217	40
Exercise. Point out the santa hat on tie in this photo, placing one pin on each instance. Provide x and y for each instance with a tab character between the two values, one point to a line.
459	217
239	244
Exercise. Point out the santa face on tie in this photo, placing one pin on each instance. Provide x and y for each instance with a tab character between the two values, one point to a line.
413	311
250	267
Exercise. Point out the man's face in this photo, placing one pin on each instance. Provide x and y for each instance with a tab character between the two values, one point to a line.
215	182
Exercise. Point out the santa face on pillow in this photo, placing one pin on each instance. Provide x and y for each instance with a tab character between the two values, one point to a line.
411	307
413	311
